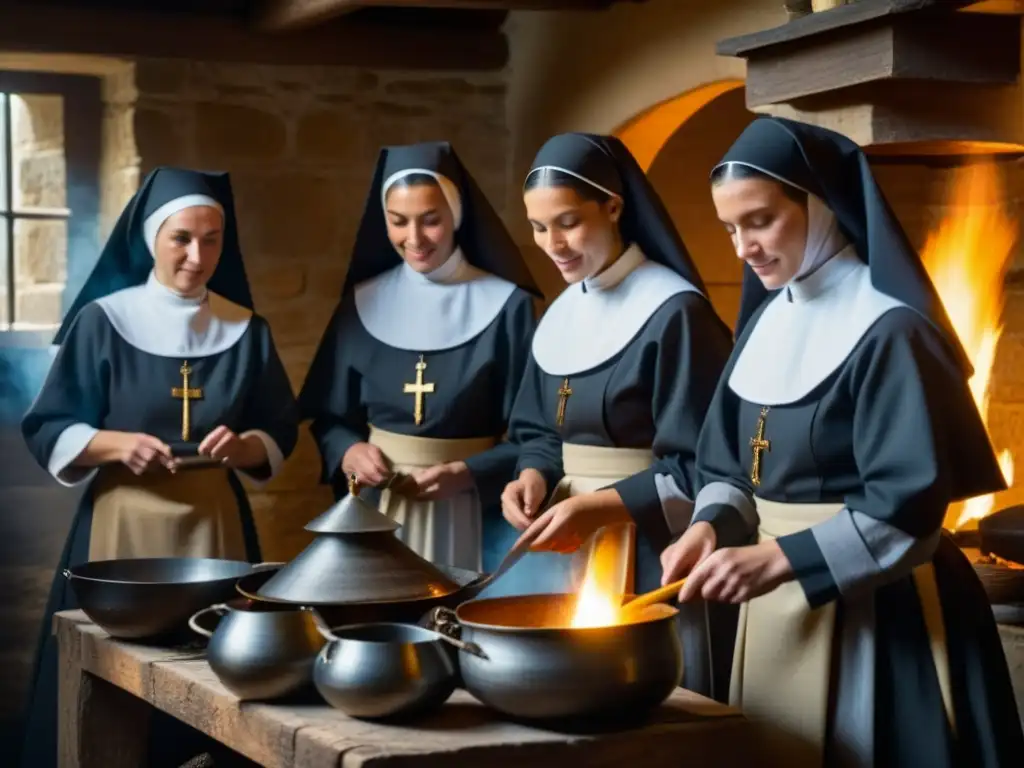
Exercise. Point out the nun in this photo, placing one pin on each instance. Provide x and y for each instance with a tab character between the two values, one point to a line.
413	382
842	429
164	389
622	368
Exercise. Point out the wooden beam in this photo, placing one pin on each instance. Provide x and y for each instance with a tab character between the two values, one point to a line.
843	17
948	47
345	42
288	15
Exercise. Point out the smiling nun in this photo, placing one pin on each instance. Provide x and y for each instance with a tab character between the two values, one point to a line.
412	385
622	368
161	359
841	431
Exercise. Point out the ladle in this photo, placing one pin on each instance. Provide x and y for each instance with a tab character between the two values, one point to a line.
659	595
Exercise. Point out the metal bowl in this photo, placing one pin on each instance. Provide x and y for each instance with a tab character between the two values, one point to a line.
535	666
152	598
384	670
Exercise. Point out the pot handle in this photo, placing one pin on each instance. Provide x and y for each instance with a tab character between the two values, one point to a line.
220	609
321	625
444	621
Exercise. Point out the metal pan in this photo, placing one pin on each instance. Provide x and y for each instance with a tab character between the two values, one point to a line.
153	598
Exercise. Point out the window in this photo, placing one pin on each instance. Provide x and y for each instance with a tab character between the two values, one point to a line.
49	198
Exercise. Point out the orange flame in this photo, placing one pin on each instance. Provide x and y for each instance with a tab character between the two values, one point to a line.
967	258
606	579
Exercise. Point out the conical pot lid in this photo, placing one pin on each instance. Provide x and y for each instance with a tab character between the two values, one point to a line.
352	515
353	563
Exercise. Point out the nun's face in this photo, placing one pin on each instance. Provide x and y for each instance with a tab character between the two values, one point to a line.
188	247
420	225
580	236
767	227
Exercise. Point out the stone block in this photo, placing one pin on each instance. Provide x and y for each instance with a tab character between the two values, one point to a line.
165	77
287	215
40	251
39	304
331	136
233	131
298	325
273	283
40	178
432	89
37	122
159	137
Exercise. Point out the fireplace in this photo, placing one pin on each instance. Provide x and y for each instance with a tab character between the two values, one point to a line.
932	90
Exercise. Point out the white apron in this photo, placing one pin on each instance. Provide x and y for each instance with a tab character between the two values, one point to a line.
783	662
193	513
446	532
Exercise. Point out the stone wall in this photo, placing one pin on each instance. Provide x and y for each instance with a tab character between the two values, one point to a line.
300	144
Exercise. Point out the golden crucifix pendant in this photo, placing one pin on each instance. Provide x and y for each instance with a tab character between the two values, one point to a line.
758	444
563	399
418	390
186	394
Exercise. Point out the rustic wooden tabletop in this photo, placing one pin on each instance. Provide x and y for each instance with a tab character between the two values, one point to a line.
108	689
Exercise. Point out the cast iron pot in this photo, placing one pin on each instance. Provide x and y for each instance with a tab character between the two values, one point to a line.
152	598
532	665
1002	534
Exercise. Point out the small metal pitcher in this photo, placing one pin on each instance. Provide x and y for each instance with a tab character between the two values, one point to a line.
384	670
261	652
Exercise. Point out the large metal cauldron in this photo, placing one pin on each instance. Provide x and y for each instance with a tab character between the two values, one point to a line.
534	666
152	598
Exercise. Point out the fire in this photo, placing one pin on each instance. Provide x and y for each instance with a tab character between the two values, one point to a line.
606	578
967	258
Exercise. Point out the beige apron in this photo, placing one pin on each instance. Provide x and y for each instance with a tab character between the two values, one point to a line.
447	532
783	658
192	513
588	468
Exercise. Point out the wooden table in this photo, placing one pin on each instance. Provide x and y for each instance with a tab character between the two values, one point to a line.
108	687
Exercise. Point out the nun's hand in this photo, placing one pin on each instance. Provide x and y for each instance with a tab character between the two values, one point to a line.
738	574
442	481
367	463
141	452
237	452
521	499
692	548
565	526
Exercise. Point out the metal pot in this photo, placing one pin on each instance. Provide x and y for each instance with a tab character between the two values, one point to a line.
384	670
343	614
534	666
151	598
260	652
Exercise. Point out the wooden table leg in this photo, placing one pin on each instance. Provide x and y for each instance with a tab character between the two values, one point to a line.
100	725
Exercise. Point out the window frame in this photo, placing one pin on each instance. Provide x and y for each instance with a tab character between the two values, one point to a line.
83	121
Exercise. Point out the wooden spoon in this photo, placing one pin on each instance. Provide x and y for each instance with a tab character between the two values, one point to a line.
659	595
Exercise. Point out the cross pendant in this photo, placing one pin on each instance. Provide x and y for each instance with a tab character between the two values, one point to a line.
186	394
758	444
563	399
418	390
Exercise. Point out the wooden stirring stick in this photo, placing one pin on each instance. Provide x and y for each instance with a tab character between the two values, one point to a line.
648	599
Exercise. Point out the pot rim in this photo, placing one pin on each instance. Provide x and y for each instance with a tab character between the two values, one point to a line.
505	629
435	636
69	573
